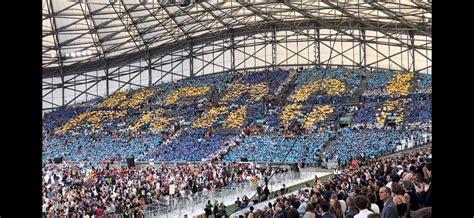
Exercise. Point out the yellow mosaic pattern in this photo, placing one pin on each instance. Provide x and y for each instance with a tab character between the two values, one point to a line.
148	117
160	123
207	119
73	122
290	112
319	113
389	107
94	118
236	118
257	91
138	98
186	92
400	84
328	86
113	100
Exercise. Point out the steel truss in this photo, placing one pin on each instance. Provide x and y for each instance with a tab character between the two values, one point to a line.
156	45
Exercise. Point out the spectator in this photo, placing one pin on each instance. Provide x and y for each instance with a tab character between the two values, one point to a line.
336	210
361	203
389	208
351	207
310	213
410	196
399	200
373	206
324	210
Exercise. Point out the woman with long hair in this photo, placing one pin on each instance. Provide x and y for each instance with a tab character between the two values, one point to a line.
399	200
336	210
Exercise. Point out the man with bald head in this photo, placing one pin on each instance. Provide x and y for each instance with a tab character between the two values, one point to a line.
409	177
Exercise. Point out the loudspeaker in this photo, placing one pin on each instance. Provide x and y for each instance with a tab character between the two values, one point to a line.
58	160
130	162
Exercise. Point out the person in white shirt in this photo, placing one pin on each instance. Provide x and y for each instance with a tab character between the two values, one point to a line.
389	182
373	206
361	203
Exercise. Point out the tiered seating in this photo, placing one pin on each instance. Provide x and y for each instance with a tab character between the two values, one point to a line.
378	81
367	114
326	85
272	78
257	105
193	86
95	120
138	98
319	87
154	120
145	119
188	147
237	91
273	148
214	103
186	92
407	110
387	84
400	85
114	100
161	123
395	107
418	111
98	146
424	83
364	143
61	115
291	112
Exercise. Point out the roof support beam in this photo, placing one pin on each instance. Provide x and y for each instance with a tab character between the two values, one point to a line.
58	54
368	24
398	18
136	27
261	27
179	25
98	46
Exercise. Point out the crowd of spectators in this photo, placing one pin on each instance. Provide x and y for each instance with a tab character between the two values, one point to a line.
145	124
424	83
390	187
63	114
131	123
99	146
189	147
273	148
86	191
365	143
328	85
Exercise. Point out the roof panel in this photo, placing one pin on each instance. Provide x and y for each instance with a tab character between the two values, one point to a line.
116	28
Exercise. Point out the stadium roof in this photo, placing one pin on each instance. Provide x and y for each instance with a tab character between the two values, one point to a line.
80	37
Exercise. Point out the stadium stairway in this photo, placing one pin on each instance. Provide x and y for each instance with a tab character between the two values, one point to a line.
414	83
289	87
360	90
292	76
